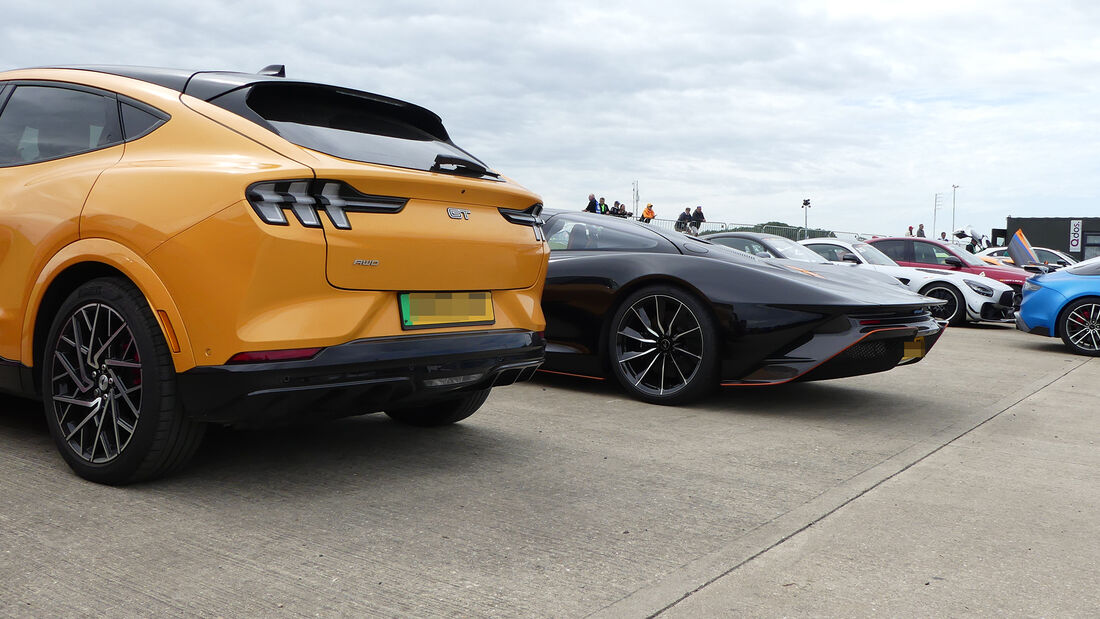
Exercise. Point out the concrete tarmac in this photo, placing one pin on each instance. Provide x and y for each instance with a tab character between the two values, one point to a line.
966	484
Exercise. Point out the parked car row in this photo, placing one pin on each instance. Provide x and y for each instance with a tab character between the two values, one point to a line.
180	248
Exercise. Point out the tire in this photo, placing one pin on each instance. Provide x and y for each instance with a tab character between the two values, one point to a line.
954	311
663	346
1079	326
441	413
109	388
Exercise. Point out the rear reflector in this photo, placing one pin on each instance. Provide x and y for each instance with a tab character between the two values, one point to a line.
260	356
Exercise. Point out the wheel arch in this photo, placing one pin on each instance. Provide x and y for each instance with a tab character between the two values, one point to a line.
88	259
1057	331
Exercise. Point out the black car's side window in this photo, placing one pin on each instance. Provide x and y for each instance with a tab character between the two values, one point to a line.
39	123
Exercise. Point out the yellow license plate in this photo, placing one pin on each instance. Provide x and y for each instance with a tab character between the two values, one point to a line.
914	349
420	310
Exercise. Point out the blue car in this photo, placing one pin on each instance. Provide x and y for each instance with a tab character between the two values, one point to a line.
1065	304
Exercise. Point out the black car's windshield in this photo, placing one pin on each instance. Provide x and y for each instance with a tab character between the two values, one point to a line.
580	232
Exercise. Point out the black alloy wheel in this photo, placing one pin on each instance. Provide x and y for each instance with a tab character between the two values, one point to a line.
1079	326
109	388
954	311
663	346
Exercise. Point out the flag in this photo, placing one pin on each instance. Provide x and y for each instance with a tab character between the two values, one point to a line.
1020	250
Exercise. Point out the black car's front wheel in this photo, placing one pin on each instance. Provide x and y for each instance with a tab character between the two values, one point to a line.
663	346
108	387
1079	326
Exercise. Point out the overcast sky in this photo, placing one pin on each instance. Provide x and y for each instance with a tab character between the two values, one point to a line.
867	108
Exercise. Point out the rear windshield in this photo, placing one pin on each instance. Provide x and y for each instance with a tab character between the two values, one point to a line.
348	124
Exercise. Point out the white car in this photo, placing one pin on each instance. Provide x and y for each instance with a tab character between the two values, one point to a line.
1046	255
969	297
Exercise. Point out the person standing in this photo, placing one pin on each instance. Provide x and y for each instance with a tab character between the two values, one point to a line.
910	233
602	207
920	231
697	220
683	220
648	214
943	237
593	206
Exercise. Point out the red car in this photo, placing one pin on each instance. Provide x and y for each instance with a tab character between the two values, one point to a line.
929	254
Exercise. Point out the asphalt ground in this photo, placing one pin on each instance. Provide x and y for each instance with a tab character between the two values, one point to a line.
967	484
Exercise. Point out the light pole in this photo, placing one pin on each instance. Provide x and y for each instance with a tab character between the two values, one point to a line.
806	218
935	208
953	188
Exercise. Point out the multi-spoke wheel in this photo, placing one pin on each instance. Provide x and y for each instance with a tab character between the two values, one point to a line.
953	311
109	387
663	346
1079	326
96	383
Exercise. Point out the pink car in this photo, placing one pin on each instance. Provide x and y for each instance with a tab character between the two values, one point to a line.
930	254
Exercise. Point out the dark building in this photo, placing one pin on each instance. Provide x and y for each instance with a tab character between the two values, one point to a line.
1077	236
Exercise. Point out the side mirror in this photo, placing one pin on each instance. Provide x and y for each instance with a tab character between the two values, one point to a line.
1063	263
952	261
849	257
763	254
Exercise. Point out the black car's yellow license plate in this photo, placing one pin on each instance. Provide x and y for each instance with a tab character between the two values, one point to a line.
914	349
421	310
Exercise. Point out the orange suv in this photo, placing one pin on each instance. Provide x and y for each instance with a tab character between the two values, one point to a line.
179	248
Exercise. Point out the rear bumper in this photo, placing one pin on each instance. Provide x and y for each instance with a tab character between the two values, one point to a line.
361	377
1023	326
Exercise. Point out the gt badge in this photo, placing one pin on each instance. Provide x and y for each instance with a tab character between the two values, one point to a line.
458	213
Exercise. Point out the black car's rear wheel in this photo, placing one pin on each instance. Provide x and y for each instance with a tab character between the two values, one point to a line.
664	346
109	387
1079	326
954	311
442	412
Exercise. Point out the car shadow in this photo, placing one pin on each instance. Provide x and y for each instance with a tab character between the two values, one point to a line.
347	451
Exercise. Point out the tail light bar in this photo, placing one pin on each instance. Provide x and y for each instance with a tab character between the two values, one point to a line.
308	198
529	216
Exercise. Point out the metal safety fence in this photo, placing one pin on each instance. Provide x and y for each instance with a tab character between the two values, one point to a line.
791	232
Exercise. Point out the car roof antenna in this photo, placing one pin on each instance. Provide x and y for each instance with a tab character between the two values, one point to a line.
274	70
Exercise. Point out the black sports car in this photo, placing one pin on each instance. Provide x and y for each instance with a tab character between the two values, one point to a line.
671	317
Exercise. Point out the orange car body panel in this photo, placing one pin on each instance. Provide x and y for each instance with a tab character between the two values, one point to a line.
168	211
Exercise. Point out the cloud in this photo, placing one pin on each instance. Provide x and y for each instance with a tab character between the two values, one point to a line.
867	108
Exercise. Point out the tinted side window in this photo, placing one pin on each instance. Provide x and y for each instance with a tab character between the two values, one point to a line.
1047	256
927	253
137	122
746	245
894	249
831	253
44	122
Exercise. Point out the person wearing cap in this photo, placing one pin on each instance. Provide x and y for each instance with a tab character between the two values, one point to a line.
648	214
